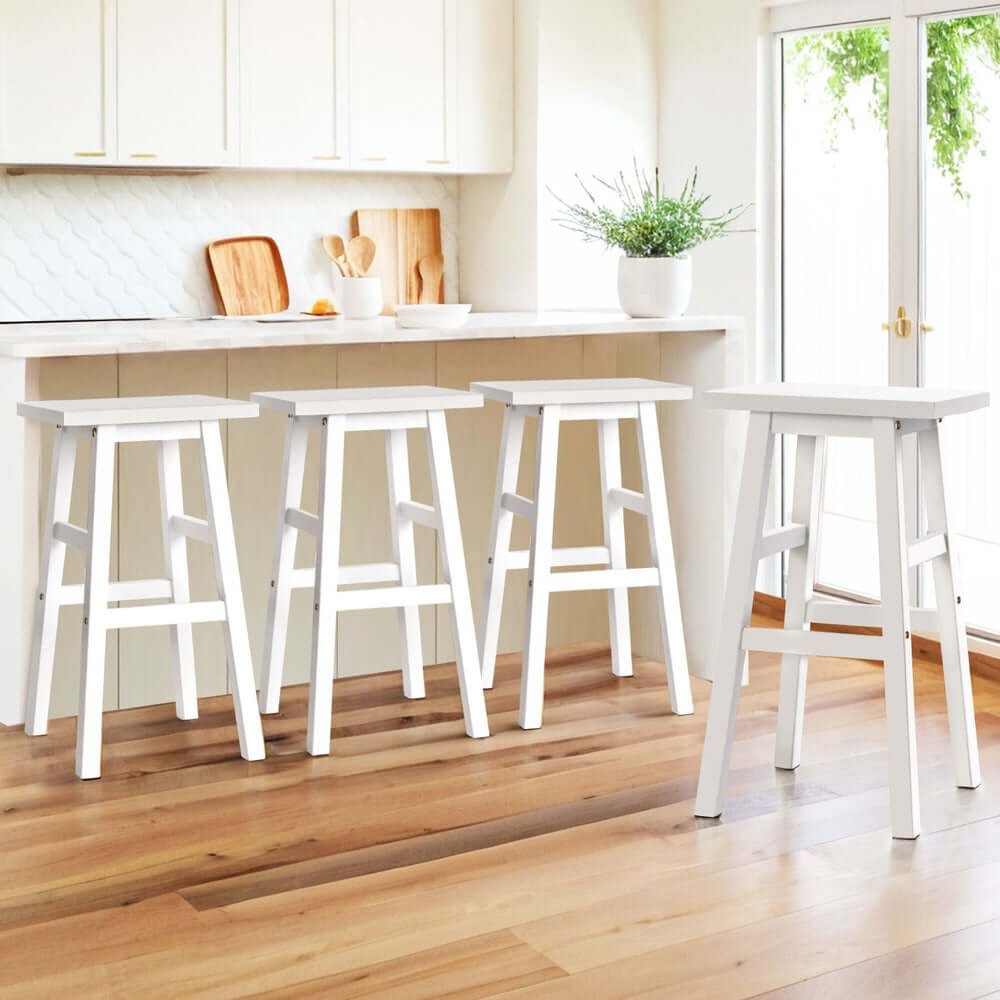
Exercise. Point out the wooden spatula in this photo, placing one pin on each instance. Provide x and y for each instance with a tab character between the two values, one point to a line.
361	254
334	247
431	270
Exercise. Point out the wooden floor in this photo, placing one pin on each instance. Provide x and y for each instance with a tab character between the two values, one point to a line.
416	863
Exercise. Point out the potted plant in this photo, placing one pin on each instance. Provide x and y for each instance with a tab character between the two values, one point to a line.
656	234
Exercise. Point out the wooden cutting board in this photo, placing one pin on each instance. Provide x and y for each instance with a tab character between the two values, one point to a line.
248	276
402	236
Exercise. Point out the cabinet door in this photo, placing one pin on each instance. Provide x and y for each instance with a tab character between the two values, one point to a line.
293	83
402	84
56	81
177	82
485	54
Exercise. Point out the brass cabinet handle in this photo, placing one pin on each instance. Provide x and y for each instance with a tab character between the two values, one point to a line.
326	157
437	161
90	154
143	156
926	328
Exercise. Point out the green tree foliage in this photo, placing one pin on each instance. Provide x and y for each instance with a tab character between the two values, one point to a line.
860	57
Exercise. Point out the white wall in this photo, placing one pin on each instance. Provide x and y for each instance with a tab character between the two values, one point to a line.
97	245
585	101
597	110
713	108
708	118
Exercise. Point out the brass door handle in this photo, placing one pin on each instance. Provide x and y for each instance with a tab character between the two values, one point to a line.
926	328
903	325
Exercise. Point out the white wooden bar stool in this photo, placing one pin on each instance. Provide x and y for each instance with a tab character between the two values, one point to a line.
607	401
166	420
336	412
813	413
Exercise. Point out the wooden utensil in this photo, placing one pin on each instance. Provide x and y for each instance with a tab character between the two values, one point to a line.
361	254
334	247
403	236
431	269
248	276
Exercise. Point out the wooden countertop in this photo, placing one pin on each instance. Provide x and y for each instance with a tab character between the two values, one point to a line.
48	340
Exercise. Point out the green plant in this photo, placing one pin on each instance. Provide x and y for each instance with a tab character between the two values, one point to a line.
645	222
860	57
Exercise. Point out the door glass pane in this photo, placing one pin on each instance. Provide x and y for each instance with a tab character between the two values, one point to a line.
835	262
961	217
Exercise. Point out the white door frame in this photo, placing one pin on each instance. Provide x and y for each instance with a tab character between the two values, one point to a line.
907	72
904	180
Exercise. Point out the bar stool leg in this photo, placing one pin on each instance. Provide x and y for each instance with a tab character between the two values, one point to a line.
807	503
324	645
737	604
227	573
95	604
894	572
539	570
292	473
405	554
954	645
500	531
609	448
176	563
453	557
662	548
36	722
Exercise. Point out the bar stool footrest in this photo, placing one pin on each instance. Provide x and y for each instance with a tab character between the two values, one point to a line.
190	613
866	615
125	590
801	642
393	597
604	579
582	555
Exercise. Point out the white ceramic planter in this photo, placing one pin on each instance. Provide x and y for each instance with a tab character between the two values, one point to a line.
654	287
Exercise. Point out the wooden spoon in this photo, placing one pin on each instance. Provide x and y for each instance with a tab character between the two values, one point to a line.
334	247
431	270
360	254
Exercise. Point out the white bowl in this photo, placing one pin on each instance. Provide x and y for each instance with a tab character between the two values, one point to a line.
432	315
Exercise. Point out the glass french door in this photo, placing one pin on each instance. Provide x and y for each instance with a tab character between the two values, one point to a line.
890	238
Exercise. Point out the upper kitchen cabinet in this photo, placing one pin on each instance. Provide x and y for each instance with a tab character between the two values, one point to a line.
485	51
403	113
177	83
432	85
57	78
391	85
293	83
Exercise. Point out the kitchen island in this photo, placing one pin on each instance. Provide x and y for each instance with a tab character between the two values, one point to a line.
234	357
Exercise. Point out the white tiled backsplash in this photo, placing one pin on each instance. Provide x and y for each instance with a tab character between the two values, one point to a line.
94	246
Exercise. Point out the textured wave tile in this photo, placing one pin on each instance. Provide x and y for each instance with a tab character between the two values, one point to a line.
93	245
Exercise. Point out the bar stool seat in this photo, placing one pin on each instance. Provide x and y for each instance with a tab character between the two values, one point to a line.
335	412
552	402
166	420
885	414
125	410
540	392
893	401
379	399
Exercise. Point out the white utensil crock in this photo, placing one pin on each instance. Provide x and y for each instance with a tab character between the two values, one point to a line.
359	298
